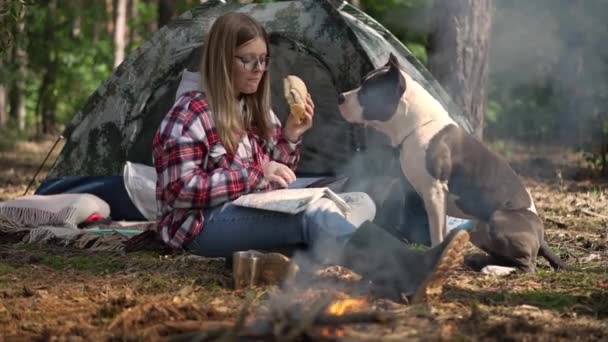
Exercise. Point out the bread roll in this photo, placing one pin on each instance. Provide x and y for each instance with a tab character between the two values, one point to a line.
295	94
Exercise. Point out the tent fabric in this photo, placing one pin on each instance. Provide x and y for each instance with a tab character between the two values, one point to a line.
329	47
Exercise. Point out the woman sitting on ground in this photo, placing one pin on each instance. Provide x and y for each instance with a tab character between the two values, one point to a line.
216	145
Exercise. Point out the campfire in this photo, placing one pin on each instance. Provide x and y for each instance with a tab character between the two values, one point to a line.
341	307
317	310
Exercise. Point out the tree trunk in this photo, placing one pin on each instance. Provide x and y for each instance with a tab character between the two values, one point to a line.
120	32
166	12
47	100
133	34
17	92
3	97
110	16
570	71
459	46
76	8
3	106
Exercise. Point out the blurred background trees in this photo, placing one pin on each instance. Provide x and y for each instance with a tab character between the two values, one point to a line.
531	71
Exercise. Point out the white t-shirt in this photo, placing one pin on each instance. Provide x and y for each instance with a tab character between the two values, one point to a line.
190	81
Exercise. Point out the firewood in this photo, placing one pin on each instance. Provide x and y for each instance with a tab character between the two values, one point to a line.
309	318
232	334
355	317
188	330
291	323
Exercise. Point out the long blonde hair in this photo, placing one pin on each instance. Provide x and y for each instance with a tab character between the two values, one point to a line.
227	33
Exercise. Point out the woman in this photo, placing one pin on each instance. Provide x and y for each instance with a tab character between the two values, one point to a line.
217	145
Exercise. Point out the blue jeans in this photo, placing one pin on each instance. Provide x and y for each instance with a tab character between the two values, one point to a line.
229	228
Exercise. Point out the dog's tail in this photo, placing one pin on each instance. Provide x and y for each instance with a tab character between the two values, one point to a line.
553	259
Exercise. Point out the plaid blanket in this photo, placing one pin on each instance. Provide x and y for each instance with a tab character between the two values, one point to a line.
113	237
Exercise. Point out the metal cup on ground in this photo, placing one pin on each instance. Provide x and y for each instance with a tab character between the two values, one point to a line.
245	269
253	268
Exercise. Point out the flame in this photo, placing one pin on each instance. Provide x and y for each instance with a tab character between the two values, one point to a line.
332	332
341	306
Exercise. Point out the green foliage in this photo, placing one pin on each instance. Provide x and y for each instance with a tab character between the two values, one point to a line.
93	264
6	269
542	299
408	20
57	258
11	12
73	42
9	135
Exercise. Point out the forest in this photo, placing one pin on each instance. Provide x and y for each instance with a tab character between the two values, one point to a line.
55	53
531	77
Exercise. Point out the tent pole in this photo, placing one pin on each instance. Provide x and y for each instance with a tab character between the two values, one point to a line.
43	162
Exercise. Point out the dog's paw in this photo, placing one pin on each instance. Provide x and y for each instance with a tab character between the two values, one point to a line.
497	270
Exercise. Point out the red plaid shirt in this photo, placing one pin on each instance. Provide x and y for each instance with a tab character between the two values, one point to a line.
195	171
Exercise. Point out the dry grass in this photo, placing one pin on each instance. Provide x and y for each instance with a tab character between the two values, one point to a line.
50	292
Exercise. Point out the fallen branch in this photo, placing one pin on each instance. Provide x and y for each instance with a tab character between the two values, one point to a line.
232	334
591	213
267	328
308	318
187	330
559	224
356	317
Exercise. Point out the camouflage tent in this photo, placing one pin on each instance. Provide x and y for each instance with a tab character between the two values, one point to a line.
329	44
330	47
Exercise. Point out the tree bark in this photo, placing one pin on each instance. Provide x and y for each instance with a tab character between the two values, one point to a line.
110	16
133	34
571	70
166	12
120	32
3	106
459	47
3	97
76	8
47	100
19	56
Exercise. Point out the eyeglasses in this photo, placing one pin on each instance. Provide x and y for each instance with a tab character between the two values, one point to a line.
250	63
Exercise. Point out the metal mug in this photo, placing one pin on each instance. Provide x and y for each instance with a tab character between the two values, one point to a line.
246	268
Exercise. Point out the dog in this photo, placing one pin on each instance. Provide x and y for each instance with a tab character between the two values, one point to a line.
453	172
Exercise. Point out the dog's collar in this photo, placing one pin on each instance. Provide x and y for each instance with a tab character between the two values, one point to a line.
398	146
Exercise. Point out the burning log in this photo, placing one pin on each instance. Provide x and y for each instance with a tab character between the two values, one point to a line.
355	318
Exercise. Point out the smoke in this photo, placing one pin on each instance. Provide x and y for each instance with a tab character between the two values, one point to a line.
548	70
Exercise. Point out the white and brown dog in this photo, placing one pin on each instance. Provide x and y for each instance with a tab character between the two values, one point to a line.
454	173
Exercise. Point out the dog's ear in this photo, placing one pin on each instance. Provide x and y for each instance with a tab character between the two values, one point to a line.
393	61
395	71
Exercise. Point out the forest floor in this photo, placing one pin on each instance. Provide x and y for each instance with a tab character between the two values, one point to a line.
50	292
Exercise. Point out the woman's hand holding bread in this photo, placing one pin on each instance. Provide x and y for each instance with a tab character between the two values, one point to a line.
301	108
